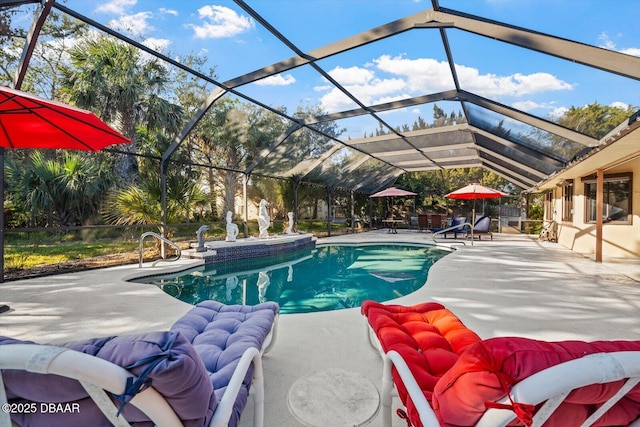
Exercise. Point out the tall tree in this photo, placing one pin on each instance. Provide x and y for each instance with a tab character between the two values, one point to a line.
227	138
139	203
113	80
12	38
594	119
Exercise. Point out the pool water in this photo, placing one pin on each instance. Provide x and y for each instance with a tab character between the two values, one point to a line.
328	277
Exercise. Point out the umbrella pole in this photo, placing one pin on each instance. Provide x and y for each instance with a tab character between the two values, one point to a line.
473	220
473	214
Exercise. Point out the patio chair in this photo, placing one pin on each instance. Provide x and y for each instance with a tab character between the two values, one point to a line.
458	226
482	227
199	373
446	375
437	223
423	222
411	222
549	232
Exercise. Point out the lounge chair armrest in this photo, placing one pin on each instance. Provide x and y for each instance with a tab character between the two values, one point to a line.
427	416
87	369
225	405
270	340
597	368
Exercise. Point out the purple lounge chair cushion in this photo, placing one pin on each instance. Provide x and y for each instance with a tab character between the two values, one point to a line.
197	359
179	375
220	334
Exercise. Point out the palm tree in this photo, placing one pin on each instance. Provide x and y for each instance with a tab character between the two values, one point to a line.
139	203
113	80
66	190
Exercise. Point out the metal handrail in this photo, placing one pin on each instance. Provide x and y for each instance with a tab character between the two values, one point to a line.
163	239
455	227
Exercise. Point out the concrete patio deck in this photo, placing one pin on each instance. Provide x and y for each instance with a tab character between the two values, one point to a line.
513	285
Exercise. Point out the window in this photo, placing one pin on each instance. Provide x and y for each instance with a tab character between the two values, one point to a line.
616	206
567	200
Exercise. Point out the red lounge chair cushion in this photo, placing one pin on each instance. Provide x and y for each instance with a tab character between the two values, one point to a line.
429	338
460	395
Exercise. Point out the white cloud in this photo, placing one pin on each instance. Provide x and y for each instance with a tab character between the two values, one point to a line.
335	100
511	85
277	80
136	24
633	51
558	112
386	99
372	92
607	43
424	75
552	111
352	75
117	7
619	104
322	88
528	106
166	11
390	78
159	45
220	22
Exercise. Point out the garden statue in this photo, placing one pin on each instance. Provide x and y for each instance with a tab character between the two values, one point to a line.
200	235
264	221
289	229
263	284
232	229
231	284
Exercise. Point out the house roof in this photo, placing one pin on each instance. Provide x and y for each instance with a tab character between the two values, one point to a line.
621	145
523	148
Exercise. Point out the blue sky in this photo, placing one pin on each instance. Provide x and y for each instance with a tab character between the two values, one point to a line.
407	65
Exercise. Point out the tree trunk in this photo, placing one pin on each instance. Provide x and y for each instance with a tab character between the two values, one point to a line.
127	165
211	178
230	182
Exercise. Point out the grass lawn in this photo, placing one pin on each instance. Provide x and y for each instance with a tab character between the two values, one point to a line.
41	253
28	256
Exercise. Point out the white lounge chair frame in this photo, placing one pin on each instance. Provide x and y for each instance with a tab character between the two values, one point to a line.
598	368
97	375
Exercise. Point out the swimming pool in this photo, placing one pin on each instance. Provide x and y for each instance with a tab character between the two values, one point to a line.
328	277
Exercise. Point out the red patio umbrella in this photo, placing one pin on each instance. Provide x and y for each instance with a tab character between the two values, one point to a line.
474	192
27	121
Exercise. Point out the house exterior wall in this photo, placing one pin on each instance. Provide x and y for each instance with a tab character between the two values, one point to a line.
618	240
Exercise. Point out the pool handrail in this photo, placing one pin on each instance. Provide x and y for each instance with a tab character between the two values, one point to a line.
163	239
455	227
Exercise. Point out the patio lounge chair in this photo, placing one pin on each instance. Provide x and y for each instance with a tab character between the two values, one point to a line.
480	228
198	373
458	226
446	375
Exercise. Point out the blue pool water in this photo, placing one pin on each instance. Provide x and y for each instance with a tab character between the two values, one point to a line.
330	277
